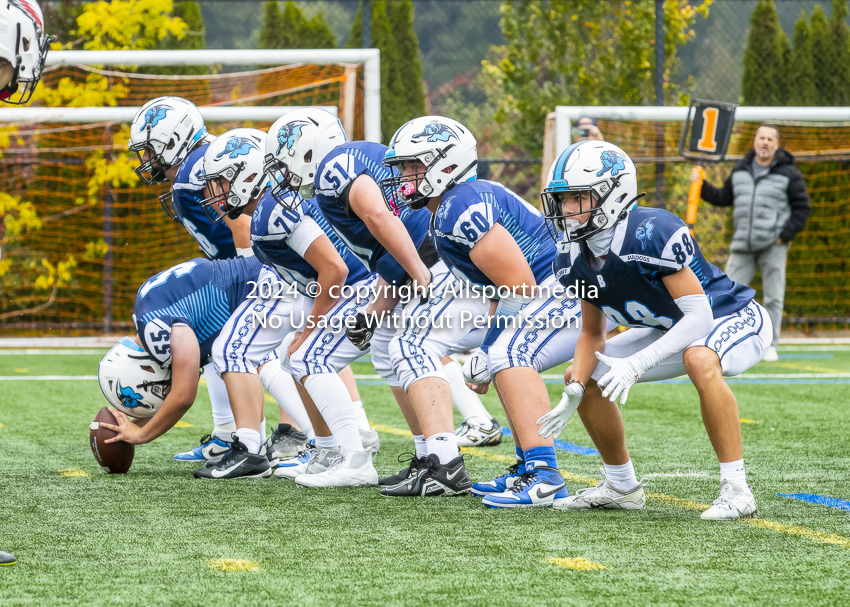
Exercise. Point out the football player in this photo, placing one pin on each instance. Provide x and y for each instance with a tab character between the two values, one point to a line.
170	139
313	158
687	317
299	285
23	49
179	313
495	244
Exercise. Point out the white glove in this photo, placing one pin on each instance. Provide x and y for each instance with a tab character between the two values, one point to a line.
556	420
475	369
622	375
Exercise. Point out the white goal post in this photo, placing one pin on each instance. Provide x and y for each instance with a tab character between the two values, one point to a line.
369	58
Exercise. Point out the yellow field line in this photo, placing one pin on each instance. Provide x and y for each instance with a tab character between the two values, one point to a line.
578	564
811	534
810	368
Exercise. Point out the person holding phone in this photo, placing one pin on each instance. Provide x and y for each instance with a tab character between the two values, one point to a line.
585	128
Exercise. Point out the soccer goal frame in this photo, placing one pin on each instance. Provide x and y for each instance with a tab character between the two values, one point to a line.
370	59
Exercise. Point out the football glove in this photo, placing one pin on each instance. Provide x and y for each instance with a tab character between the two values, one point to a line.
621	376
361	331
556	420
475	369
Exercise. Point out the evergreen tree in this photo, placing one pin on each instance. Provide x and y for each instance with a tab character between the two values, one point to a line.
822	49
355	39
764	70
407	67
841	48
383	39
318	34
801	80
194	39
270	34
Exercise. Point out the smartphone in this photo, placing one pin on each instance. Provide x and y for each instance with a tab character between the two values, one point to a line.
581	133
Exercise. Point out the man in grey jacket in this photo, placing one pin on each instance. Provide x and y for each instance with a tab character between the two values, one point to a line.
771	206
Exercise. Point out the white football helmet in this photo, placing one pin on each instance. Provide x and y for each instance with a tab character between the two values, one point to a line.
295	146
234	158
445	147
597	167
166	129
24	45
132	381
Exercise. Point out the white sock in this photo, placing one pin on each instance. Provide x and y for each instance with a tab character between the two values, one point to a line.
263	435
221	411
327	442
421	447
332	400
465	400
360	415
444	446
250	438
281	386
733	472
621	477
225	431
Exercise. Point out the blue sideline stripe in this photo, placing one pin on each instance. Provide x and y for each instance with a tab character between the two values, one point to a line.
806	355
564	446
832	502
739	381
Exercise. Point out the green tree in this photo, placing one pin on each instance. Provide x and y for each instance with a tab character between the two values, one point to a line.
840	35
383	39
406	71
355	38
764	67
270	35
582	52
822	49
291	29
801	79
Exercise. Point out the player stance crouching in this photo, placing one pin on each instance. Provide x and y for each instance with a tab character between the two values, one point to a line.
491	239
178	315
687	317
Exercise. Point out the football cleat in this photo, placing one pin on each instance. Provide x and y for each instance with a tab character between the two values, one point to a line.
211	449
479	436
412	469
539	487
433	480
500	484
352	469
285	443
7	559
238	463
371	441
735	501
603	496
309	461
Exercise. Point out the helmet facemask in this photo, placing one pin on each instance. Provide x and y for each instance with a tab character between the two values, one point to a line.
152	165
223	201
20	88
408	187
565	227
284	183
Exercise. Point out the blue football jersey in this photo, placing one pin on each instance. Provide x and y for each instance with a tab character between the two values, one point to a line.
649	245
470	210
200	293
280	237
335	173
214	239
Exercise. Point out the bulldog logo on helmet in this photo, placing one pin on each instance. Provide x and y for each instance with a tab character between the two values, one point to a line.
611	161
237	146
130	398
288	134
435	131
154	115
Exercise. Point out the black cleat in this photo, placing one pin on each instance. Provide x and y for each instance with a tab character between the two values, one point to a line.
414	465
237	463
433	480
285	443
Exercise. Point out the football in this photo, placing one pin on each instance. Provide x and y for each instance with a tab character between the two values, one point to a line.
115	458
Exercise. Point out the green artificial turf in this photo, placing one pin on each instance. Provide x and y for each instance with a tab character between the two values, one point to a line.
146	538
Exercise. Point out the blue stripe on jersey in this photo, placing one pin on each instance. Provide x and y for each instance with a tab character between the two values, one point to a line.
207	308
379	171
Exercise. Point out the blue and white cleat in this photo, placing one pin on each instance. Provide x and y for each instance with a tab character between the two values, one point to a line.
538	487
500	484
210	450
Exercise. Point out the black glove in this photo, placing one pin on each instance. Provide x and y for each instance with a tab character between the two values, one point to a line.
360	332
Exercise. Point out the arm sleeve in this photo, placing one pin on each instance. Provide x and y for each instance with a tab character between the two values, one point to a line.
305	232
696	323
798	199
718	197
